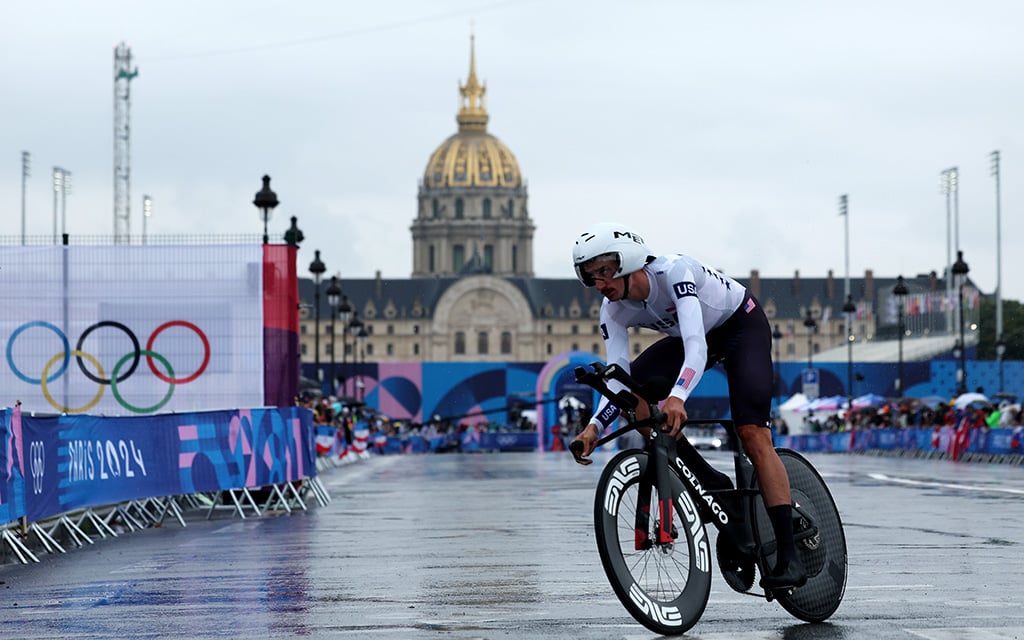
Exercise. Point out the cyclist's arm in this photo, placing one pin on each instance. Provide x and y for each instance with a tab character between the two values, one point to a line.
616	345
685	283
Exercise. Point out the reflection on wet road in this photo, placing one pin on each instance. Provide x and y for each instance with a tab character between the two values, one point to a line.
502	546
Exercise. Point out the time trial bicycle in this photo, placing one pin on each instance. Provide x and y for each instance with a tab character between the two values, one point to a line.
653	505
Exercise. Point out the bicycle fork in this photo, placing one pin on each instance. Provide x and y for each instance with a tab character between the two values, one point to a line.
657	476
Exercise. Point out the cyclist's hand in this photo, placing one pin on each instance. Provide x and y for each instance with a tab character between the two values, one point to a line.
675	411
583	444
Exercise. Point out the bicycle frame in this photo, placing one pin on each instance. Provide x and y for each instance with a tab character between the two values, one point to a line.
728	510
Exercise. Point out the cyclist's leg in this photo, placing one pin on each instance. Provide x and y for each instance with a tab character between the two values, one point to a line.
662	361
746	341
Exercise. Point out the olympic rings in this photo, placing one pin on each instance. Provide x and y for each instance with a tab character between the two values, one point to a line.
115	377
131	336
206	352
113	386
46	391
29	325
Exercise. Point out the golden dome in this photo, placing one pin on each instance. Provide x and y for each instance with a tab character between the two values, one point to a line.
472	157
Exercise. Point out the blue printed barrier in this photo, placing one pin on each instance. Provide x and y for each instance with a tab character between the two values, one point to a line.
83	461
509	441
13	465
980	440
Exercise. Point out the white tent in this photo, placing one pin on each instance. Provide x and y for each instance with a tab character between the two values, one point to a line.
795	401
789	411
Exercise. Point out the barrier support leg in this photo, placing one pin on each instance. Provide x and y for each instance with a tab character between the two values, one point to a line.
319	491
170	505
18	547
74	531
97	523
47	540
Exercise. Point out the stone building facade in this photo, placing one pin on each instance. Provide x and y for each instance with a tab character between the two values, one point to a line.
472	295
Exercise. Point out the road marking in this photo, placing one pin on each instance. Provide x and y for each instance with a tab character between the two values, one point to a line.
969	633
945	485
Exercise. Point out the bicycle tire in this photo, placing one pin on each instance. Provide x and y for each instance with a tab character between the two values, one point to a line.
666	590
824	556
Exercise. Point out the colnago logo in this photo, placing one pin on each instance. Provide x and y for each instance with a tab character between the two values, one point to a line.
627	469
669	616
716	508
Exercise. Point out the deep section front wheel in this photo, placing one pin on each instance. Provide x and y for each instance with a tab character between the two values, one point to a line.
820	541
664	586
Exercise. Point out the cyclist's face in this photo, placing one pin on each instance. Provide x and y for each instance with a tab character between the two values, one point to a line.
602	271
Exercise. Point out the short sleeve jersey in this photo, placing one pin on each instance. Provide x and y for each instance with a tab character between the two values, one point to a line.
687	300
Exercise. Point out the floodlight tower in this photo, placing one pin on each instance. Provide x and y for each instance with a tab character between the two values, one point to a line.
123	74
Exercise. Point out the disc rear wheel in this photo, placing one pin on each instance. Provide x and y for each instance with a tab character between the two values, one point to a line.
819	537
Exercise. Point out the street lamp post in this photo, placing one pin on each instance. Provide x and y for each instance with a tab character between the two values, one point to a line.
999	257
777	338
293	236
811	325
26	171
333	295
344	314
362	361
960	270
58	188
355	327
900	291
265	201
1000	354
848	310
147	211
949	188
317	268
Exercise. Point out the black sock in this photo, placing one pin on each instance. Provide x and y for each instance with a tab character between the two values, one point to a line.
782	522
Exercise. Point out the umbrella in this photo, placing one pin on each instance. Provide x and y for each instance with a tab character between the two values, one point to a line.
868	400
932	401
966	399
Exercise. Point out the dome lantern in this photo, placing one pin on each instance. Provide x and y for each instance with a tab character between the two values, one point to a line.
473	108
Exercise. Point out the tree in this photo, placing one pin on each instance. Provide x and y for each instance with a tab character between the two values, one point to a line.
1013	330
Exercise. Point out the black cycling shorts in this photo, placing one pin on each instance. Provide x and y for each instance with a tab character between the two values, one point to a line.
744	344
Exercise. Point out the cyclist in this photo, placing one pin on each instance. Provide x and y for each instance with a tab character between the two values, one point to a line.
699	310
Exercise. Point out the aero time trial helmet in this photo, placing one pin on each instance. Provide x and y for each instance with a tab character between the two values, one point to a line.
610	240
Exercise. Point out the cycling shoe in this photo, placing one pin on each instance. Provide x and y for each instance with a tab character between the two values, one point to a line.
790	576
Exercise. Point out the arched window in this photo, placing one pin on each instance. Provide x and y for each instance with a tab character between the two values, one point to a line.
515	258
487	208
460	209
436	208
416	349
506	342
458	258
430	267
489	257
482	345
595	348
460	342
510	213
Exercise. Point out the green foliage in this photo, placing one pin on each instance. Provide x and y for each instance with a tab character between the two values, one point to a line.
1013	329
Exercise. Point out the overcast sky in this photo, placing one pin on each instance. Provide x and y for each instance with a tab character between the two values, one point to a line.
724	129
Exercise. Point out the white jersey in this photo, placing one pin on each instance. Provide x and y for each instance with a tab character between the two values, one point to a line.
687	300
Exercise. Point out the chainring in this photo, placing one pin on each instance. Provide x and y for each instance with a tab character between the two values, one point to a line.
737	569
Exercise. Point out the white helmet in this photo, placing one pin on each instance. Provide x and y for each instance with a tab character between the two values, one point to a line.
611	240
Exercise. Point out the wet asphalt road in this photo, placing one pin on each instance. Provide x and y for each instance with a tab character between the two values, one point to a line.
501	546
